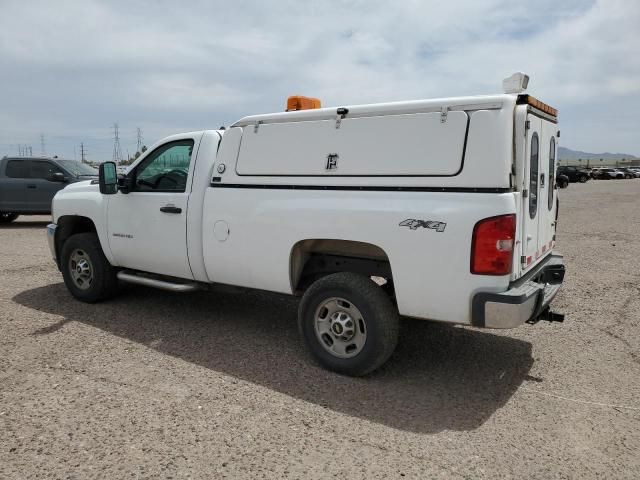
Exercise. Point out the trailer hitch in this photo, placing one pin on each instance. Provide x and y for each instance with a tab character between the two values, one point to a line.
548	316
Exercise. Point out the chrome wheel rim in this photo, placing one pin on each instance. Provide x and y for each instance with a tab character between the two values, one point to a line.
340	327
81	269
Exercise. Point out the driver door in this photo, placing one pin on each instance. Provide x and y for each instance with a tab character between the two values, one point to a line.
147	227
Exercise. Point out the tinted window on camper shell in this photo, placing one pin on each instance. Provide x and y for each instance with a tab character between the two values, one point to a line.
533	177
552	171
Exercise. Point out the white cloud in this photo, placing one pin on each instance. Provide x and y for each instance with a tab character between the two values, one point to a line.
70	69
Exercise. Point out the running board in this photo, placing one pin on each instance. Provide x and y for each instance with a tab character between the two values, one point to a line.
155	283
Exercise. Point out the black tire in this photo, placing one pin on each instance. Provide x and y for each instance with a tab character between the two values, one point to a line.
8	217
583	179
563	184
103	283
628	177
379	319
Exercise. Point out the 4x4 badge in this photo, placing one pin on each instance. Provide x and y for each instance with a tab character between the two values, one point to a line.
414	224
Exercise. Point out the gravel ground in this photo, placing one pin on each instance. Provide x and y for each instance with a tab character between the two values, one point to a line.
217	384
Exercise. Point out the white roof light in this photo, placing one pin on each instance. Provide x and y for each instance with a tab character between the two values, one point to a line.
516	83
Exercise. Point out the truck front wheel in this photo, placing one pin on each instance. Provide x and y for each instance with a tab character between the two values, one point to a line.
87	273
348	323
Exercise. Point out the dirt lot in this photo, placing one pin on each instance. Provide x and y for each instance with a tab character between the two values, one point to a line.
217	384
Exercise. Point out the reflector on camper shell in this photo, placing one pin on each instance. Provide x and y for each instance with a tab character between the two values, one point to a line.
535	103
298	102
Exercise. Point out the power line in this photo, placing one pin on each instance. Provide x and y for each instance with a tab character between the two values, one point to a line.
117	151
83	153
140	140
25	151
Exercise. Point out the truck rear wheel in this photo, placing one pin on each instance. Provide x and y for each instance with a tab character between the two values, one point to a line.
7	217
86	271
348	323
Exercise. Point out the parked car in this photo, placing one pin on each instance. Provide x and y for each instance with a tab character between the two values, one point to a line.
306	202
574	174
609	174
562	180
629	172
27	185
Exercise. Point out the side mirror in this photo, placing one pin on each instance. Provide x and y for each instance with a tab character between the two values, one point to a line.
108	178
58	177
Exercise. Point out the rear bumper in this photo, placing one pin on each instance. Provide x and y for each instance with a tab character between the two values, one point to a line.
526	300
51	238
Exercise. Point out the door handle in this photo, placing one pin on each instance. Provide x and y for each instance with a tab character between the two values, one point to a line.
31	186
170	209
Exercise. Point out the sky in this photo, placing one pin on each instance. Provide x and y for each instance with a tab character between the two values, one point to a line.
69	70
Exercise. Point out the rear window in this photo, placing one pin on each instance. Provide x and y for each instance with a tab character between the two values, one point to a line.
18	169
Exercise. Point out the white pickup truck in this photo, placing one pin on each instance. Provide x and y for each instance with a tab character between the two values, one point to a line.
439	209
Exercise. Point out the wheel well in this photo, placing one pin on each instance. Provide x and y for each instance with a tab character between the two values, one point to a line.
70	225
315	258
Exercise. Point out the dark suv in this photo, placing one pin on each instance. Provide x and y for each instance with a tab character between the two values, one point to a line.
27	185
575	174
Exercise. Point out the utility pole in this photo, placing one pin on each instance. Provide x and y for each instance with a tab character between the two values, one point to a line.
117	152
83	153
42	150
140	142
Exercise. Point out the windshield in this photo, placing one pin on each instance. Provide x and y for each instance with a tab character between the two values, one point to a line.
78	169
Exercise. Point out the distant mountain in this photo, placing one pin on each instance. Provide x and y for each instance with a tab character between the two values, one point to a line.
568	154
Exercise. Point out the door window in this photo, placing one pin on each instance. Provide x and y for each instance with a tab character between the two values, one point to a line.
533	177
17	169
552	171
165	169
43	169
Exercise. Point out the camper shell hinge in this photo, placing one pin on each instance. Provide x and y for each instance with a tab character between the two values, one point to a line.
443	114
340	114
527	125
257	126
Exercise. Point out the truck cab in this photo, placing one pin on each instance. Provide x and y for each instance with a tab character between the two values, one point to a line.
440	209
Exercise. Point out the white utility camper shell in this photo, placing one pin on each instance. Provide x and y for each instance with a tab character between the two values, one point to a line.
418	143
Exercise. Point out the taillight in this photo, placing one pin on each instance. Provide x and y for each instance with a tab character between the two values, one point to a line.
492	245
